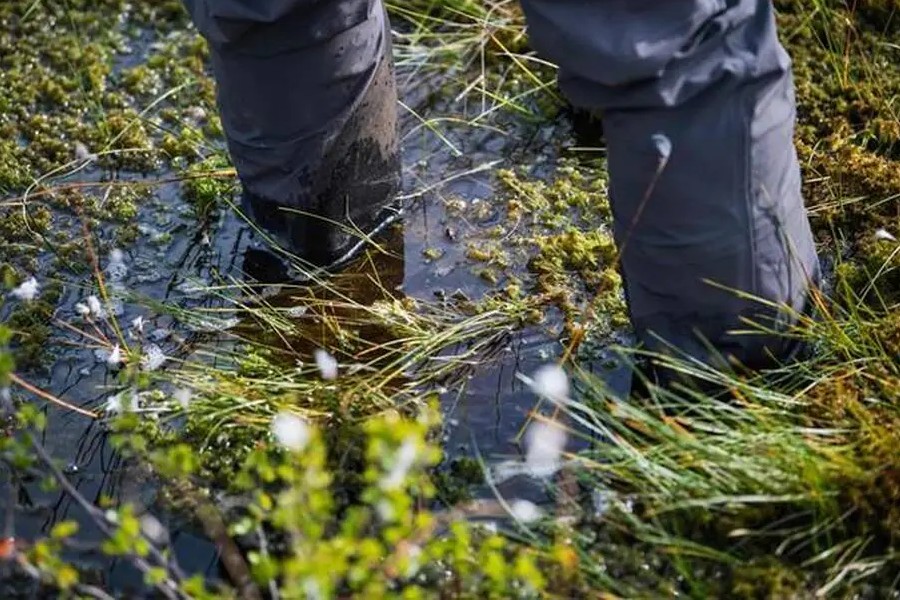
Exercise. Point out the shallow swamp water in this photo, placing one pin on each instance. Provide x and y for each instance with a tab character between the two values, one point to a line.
165	258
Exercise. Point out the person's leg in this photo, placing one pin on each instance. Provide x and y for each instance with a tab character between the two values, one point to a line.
697	103
309	107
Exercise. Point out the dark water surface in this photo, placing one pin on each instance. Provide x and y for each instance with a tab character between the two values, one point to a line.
176	257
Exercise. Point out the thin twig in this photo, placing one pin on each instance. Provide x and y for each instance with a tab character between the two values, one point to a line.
51	398
168	588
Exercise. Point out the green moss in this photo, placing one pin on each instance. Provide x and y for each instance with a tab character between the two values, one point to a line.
848	134
455	480
551	243
122	202
478	254
141	80
186	144
766	579
30	322
207	183
488	275
432	253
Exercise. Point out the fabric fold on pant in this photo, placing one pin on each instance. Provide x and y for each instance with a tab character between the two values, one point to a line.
698	111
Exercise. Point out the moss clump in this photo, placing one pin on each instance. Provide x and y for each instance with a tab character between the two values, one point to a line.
575	194
578	264
30	323
766	579
553	240
207	183
185	145
848	135
454	480
63	95
141	81
877	271
123	201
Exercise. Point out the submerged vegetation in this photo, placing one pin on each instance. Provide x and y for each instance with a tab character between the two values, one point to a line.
299	428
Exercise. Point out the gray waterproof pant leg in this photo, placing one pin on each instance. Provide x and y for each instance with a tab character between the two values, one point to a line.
307	99
698	110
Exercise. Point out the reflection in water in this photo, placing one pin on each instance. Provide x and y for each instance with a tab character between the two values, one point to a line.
323	312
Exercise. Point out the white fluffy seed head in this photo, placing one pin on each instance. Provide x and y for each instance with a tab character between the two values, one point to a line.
327	364
884	234
291	431
525	511
183	396
663	145
403	462
82	309
113	404
551	382
115	356
95	308
153	529
27	291
152	357
545	443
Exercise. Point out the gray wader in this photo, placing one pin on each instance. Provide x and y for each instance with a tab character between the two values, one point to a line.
308	102
696	98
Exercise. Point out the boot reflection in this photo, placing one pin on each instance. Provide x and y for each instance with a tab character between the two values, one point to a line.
332	312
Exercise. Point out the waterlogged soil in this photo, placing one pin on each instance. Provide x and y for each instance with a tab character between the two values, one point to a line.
110	114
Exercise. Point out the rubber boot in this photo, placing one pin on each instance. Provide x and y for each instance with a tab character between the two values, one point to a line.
349	195
308	103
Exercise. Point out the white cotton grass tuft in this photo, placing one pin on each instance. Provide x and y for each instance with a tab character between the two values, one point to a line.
114	359
95	308
183	396
884	234
403	462
153	529
551	382
82	309
544	443
290	431
525	511
27	291
327	364
152	357
663	145
114	405
137	324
